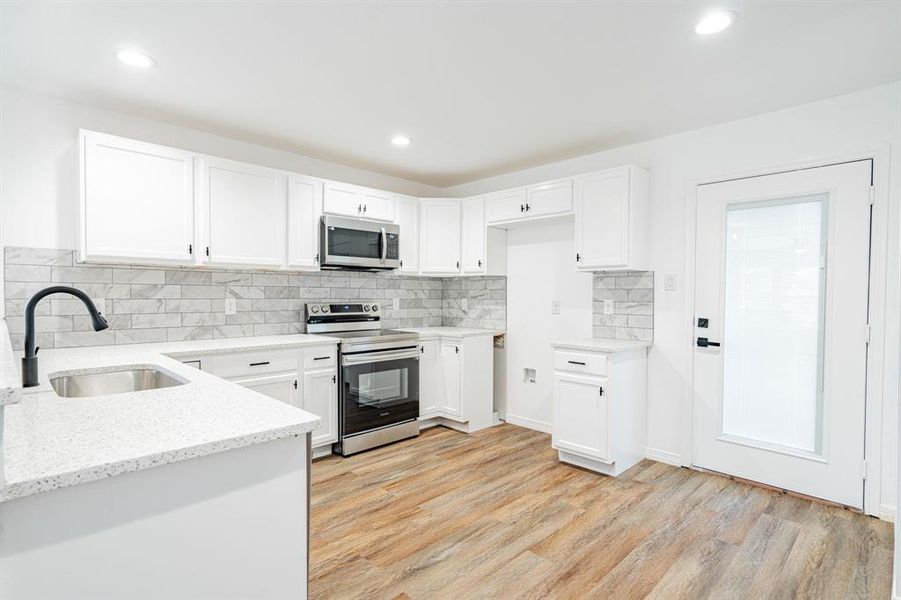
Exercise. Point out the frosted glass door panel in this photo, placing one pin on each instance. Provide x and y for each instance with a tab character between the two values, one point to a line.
773	326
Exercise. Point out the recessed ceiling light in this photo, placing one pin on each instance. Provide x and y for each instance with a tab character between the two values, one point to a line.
400	140
134	57
715	22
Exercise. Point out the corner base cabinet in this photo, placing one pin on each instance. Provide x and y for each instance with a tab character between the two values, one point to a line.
599	408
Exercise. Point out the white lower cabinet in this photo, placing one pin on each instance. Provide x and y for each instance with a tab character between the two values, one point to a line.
306	378
599	408
456	382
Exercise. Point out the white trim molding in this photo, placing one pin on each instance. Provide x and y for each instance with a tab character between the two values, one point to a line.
530	423
663	456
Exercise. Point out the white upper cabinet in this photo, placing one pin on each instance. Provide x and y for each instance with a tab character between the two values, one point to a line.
506	206
612	219
474	245
245	213
137	201
407	213
304	210
439	252
549	199
355	201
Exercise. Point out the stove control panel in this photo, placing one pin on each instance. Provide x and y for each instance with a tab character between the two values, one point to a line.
343	310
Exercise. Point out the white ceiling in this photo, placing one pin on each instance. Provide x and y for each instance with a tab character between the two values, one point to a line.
482	87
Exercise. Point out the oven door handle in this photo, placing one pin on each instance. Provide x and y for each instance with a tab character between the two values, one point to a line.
384	235
360	359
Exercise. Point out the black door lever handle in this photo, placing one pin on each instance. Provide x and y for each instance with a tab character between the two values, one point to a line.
704	343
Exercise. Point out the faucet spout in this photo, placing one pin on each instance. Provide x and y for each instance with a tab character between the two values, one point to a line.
30	360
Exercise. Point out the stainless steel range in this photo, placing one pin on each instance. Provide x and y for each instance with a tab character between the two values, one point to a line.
378	395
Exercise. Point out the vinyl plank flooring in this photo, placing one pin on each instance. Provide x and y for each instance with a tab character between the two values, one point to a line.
496	515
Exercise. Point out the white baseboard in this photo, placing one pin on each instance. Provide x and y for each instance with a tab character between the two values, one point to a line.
529	423
664	456
887	512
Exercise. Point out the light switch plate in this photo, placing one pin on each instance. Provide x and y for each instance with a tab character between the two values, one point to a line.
555	307
670	282
608	307
231	306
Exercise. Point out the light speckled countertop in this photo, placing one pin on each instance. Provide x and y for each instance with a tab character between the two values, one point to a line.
52	442
10	378
600	344
460	332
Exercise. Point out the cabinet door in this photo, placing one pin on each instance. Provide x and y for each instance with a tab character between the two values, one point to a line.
555	198
304	210
378	205
473	236
246	213
602	220
506	206
320	397
137	201
439	238
282	386
342	199
450	378
581	419
408	219
431	392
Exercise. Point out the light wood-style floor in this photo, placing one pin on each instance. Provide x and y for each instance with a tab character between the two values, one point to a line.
495	515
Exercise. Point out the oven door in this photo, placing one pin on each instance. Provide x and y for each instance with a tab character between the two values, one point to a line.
379	389
359	243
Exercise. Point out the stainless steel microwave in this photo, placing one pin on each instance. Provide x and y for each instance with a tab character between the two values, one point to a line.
358	244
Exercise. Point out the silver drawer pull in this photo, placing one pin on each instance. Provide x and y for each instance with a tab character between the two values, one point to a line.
259	364
575	362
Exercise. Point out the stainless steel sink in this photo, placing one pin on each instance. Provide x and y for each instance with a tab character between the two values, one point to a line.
118	381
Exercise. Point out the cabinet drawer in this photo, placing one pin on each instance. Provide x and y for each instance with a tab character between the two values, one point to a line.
594	364
252	363
319	357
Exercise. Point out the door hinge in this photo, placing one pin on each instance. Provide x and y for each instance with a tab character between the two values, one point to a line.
867	334
872	195
863	469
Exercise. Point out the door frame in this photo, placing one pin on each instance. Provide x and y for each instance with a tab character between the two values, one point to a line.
878	279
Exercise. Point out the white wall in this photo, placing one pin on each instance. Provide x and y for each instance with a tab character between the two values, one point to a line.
861	122
38	162
539	270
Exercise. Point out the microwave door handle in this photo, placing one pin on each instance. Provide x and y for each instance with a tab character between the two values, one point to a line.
384	244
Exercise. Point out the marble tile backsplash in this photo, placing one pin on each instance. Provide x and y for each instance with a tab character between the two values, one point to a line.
632	296
145	304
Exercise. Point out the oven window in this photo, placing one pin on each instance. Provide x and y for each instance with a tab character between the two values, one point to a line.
354	242
379	393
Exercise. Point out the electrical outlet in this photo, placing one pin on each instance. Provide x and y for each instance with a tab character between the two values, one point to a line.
670	282
608	307
555	307
395	303
231	306
528	375
464	303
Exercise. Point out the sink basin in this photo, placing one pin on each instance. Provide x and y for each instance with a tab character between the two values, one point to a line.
118	381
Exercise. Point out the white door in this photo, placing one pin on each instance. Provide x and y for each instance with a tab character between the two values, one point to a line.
320	397
507	205
450	378
246	213
137	201
548	199
281	386
781	288
474	245
342	199
378	205
430	385
581	419
408	221
602	220
304	211
439	240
